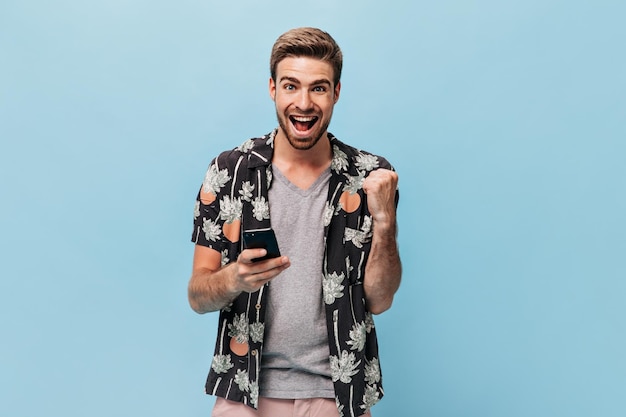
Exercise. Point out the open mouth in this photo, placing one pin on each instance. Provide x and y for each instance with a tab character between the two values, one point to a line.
303	124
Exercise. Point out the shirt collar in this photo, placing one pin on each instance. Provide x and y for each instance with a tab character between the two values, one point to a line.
263	150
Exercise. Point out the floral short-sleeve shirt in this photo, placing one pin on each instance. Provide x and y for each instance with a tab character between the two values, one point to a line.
233	198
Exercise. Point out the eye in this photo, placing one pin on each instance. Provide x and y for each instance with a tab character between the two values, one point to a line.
319	89
289	87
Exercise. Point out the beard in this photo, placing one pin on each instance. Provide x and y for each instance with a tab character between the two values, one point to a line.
300	143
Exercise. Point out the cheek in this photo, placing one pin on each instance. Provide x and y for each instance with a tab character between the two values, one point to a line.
280	102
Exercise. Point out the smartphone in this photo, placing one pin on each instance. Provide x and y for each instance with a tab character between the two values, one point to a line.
262	238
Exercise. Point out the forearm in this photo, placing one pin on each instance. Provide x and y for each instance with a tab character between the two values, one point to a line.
212	287
383	270
211	290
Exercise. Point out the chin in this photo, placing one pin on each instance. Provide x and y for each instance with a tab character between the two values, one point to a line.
303	144
298	142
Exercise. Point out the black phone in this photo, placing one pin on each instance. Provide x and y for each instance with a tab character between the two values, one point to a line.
261	238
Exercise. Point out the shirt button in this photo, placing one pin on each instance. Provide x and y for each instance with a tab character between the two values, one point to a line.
254	352
258	306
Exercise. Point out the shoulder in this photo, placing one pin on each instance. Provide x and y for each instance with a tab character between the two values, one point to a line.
251	149
351	158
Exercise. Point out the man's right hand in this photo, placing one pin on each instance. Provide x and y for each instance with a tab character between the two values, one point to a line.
251	275
212	287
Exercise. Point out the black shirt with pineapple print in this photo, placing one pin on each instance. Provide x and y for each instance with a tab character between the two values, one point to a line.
233	198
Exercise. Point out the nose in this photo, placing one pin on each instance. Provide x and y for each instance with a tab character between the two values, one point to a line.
303	101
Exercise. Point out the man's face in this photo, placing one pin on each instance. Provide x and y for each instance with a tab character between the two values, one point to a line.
304	96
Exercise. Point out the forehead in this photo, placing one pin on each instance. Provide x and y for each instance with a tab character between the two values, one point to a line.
304	69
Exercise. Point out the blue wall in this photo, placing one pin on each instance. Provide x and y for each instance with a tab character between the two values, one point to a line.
505	121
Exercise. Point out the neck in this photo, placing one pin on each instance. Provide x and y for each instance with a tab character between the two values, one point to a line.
301	167
285	155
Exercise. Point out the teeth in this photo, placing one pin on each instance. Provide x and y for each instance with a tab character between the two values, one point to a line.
303	119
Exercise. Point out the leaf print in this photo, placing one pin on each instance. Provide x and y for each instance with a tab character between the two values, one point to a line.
246	191
246	146
215	179
371	397
256	332
239	328
372	371
230	209
349	267
332	288
261	208
339	406
269	175
355	183
196	210
357	337
343	368
225	259
366	162
359	237
211	230
369	322
242	380
328	213
340	160
221	363
366	227
254	393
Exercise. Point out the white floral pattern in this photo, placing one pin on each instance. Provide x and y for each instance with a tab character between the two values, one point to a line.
355	182
196	210
242	380
371	397
261	209
247	188
211	229
357	237
239	328
332	287
246	146
257	330
366	162
372	371
230	209
215	179
343	367
221	363
328	213
225	260
357	337
340	160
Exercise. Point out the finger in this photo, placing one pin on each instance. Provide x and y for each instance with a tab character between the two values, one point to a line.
248	256
271	264
269	268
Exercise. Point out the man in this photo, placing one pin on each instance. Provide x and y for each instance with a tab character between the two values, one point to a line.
296	335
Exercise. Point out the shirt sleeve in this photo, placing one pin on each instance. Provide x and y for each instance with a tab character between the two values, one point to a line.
207	219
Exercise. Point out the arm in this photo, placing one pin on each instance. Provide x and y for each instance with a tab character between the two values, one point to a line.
383	269
212	287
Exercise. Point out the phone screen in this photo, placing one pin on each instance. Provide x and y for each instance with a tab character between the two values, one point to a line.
265	239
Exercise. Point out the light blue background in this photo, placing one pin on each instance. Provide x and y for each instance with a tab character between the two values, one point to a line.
504	119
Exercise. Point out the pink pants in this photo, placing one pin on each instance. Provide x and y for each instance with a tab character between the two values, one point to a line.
273	407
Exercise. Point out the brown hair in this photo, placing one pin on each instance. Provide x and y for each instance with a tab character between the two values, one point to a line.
308	42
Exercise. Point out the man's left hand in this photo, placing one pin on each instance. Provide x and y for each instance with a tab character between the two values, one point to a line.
381	186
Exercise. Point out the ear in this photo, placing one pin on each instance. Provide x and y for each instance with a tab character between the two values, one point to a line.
337	90
272	88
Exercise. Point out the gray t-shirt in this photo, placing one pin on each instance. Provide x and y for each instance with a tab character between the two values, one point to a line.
295	360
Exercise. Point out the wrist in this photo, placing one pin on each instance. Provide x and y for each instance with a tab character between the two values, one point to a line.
384	225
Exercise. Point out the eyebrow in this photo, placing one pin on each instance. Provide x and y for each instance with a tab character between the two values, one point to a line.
296	81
